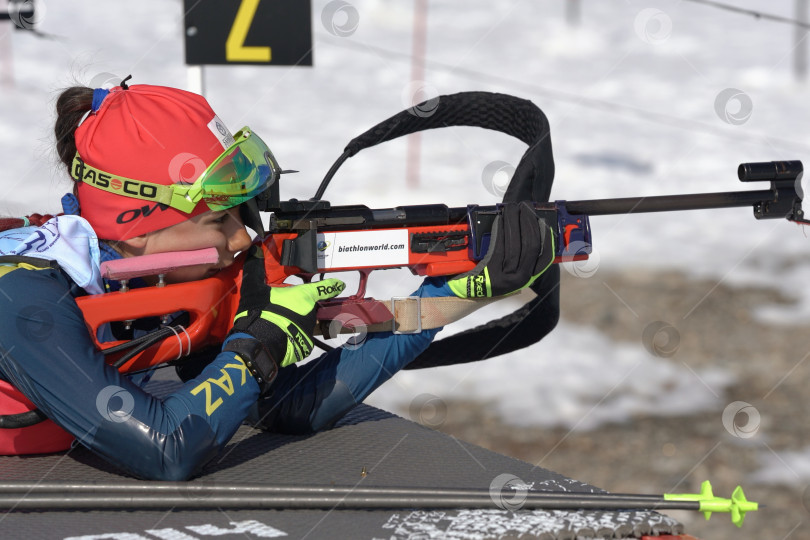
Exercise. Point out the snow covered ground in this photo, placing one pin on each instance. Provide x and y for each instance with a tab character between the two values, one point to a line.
638	99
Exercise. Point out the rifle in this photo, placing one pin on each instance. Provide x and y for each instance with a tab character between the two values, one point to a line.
312	237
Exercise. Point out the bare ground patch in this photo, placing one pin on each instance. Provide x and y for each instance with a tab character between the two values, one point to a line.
714	325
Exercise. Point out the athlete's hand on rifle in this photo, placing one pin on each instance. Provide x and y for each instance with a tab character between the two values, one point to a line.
521	248
281	319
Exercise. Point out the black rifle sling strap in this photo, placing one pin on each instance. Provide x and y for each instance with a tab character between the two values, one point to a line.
531	181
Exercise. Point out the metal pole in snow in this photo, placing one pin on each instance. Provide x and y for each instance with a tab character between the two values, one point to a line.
417	74
573	12
6	59
196	79
800	38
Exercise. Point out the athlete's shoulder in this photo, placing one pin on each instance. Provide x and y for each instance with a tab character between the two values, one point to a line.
26	271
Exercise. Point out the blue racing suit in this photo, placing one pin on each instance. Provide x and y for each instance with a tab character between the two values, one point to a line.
47	353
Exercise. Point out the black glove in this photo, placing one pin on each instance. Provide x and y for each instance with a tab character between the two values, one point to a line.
280	319
521	248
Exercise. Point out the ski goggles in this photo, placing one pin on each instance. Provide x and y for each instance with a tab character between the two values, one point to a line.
241	172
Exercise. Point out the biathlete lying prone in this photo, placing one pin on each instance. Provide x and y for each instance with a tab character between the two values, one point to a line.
122	146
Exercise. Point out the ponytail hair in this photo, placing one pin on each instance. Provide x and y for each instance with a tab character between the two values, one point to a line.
72	106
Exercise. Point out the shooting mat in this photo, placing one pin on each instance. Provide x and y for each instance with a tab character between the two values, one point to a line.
392	451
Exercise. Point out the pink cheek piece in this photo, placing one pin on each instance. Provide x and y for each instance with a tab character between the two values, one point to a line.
156	263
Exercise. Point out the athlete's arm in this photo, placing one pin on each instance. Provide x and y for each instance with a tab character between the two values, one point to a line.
315	395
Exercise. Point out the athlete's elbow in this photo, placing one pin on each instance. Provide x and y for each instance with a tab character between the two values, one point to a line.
179	455
176	464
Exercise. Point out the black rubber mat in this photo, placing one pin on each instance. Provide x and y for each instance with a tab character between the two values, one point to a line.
368	448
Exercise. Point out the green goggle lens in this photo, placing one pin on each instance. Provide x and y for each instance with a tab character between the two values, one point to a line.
243	171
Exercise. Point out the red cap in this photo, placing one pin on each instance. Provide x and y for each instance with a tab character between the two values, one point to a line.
151	133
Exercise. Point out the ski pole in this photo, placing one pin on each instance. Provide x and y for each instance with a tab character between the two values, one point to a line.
60	496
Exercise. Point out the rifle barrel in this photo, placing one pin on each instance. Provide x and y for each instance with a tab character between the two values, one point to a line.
667	203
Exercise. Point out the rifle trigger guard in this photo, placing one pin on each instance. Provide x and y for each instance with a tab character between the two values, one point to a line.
361	287
355	308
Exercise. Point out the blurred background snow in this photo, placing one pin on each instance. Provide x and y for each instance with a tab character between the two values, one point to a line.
637	96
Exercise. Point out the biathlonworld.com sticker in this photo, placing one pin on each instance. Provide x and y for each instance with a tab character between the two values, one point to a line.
356	249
